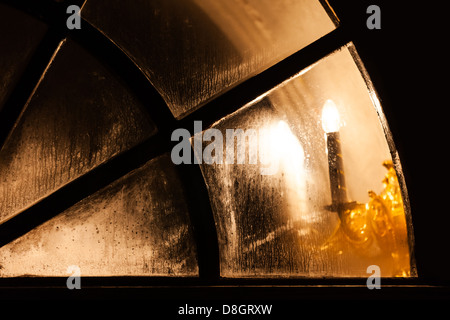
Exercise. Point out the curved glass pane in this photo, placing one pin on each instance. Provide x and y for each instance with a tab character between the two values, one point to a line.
284	203
139	225
79	116
193	50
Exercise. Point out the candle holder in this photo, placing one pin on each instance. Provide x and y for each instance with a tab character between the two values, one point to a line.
375	228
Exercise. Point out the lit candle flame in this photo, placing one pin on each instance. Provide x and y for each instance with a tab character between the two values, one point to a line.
330	117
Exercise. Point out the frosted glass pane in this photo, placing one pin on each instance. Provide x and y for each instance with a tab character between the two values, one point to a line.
20	34
79	116
273	212
139	225
193	50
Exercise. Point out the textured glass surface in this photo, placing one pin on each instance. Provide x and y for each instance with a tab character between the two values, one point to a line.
272	213
192	50
138	225
19	36
79	116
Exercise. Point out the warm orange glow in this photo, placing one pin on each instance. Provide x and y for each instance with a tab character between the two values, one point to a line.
285	155
330	117
281	149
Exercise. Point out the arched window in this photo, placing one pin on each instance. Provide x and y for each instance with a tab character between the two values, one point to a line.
284	166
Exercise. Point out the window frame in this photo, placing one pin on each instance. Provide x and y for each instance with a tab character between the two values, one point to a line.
205	234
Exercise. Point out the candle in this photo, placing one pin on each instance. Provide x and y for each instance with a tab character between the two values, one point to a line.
331	124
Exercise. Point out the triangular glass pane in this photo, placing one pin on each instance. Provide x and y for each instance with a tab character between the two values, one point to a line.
137	226
79	116
194	50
